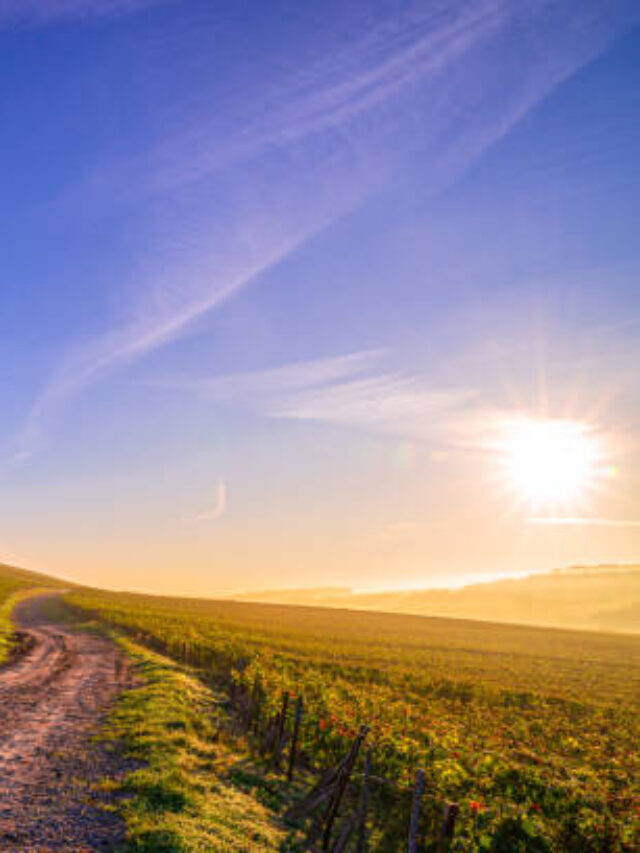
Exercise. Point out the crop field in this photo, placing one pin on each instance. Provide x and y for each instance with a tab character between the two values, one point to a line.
533	733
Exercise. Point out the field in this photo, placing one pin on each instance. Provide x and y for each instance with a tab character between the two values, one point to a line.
532	732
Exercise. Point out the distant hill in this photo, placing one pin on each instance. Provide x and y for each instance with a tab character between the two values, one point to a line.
27	578
605	598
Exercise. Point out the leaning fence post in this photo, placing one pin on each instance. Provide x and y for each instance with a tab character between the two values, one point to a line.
282	718
341	784
361	844
294	738
448	824
344	834
414	824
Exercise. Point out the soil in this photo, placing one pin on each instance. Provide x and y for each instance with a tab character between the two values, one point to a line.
54	692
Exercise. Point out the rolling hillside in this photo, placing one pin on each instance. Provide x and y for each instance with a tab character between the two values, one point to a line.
601	598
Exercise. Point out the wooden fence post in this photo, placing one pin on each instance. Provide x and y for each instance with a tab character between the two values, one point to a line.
341	784
448	824
294	739
414	824
255	704
344	834
282	718
361	844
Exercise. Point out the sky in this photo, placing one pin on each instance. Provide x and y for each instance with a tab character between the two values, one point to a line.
306	294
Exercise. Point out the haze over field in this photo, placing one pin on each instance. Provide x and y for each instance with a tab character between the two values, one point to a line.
605	598
320	294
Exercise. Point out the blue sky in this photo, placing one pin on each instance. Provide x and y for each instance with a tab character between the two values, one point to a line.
274	275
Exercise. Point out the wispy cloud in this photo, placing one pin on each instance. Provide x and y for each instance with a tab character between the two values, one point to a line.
394	403
344	91
354	391
219	505
38	13
264	388
585	522
312	149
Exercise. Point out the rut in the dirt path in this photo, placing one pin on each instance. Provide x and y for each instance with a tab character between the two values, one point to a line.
52	700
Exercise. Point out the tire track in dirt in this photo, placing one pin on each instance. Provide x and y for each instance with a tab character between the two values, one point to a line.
52	699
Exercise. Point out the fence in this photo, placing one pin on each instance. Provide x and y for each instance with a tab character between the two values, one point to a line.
336	812
339	805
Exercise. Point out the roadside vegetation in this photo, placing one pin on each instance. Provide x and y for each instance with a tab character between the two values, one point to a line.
15	584
532	732
181	794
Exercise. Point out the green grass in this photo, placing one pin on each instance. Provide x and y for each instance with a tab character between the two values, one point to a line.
182	796
16	584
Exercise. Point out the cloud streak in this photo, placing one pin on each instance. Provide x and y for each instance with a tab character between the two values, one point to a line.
428	80
265	387
353	391
219	506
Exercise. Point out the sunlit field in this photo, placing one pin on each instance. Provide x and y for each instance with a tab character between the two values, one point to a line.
533	732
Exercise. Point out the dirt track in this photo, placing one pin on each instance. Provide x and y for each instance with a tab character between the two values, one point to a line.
52	698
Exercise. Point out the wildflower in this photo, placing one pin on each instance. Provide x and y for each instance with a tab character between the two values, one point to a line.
475	806
322	724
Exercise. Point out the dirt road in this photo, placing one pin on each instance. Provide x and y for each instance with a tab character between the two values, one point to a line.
52	699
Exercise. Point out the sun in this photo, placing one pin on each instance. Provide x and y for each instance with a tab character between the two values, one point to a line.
549	462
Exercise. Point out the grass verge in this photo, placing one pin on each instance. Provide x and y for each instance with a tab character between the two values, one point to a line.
192	790
9	597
